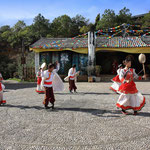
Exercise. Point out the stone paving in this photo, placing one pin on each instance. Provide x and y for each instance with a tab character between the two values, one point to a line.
87	120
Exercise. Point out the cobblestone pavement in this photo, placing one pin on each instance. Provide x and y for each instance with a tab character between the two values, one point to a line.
87	120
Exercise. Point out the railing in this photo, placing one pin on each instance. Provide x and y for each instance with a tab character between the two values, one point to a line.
29	74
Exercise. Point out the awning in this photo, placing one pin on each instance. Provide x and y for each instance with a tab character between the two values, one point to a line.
77	50
85	50
127	50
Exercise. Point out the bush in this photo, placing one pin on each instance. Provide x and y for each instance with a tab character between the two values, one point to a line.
7	66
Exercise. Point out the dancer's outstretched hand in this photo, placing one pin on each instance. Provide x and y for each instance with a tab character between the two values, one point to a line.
128	81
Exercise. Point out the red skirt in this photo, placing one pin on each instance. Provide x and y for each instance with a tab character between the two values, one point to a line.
39	79
116	79
128	88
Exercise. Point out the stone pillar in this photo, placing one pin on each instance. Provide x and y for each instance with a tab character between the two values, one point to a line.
37	62
91	53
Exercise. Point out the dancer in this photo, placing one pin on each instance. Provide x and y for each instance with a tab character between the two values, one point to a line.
130	97
2	87
39	78
1	77
51	81
72	74
116	81
57	66
114	67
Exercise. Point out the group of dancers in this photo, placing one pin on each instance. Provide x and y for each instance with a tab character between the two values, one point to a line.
49	81
123	84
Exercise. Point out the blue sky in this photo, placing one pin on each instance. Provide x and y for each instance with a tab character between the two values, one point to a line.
13	10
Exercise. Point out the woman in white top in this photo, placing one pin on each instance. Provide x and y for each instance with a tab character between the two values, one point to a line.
130	97
2	87
72	76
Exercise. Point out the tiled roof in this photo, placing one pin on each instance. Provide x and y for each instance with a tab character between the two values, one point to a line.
119	42
61	43
115	42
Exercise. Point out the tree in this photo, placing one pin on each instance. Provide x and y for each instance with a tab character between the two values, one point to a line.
4	28
41	26
89	27
15	39
5	33
97	19
108	19
19	26
146	20
20	33
77	23
80	21
124	16
61	26
84	29
7	67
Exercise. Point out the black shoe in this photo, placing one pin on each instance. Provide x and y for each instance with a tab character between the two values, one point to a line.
47	107
135	113
53	106
124	112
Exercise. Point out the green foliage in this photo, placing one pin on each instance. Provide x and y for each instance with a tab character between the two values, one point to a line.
97	19
124	16
87	28
61	26
84	29
64	26
19	26
108	19
7	66
15	79
40	26
146	20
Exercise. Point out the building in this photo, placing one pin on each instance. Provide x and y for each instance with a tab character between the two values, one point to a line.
70	51
140	16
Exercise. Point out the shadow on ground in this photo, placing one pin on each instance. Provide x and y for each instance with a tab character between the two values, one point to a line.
96	112
92	111
85	93
16	86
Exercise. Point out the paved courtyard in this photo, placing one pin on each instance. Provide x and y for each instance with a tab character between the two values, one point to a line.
87	120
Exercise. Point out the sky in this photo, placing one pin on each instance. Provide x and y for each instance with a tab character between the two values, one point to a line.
13	10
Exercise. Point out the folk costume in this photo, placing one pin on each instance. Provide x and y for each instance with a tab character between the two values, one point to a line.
51	82
2	87
130	97
116	81
39	75
71	74
72	78
57	66
39	79
1	77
